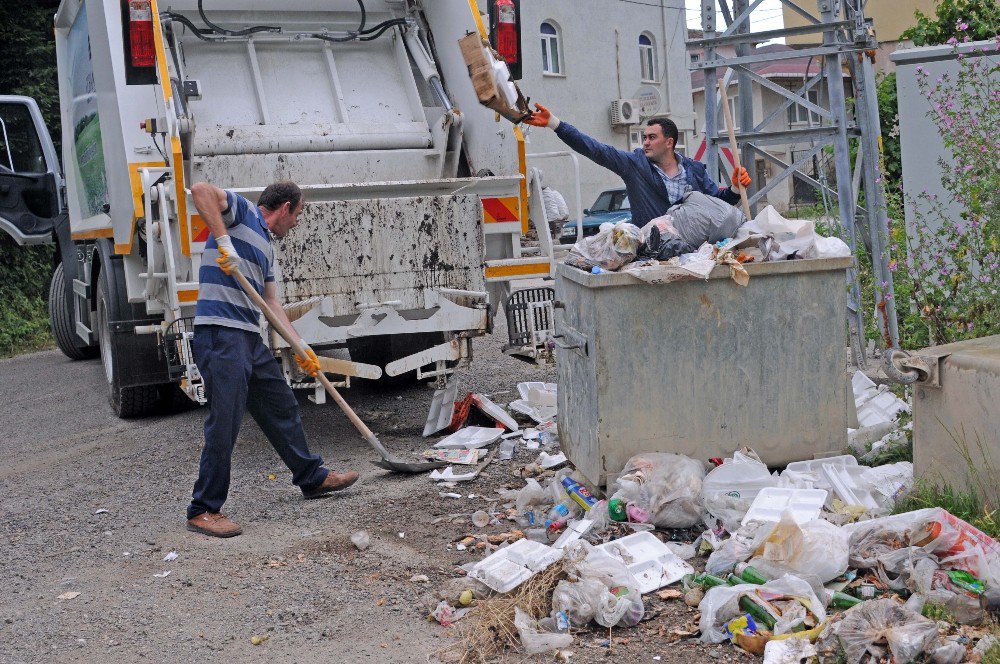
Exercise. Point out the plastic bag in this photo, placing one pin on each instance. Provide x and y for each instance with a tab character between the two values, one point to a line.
529	501
669	483
620	603
738	548
535	641
721	603
700	218
889	483
609	249
578	599
957	544
729	490
790	651
884	621
816	547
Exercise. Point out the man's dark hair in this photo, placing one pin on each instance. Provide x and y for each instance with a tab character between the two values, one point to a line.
278	194
668	127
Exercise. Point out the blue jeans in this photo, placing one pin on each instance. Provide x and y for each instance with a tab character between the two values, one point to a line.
240	373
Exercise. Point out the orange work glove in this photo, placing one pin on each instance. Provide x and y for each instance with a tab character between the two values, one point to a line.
740	177
542	118
229	260
309	364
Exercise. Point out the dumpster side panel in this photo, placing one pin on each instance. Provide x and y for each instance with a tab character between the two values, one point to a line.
703	367
578	419
956	426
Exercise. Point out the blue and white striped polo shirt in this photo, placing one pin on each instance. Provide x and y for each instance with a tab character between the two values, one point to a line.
221	301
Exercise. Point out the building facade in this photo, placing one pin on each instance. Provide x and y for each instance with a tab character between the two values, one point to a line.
890	20
581	56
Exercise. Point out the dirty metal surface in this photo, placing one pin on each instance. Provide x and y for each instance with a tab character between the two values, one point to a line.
703	367
959	417
382	250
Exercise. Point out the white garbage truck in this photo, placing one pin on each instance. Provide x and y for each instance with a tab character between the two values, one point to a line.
416	198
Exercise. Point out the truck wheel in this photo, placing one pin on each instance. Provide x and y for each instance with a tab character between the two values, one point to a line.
382	350
127	402
62	324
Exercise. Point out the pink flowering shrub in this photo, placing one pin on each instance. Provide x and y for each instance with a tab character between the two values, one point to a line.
953	260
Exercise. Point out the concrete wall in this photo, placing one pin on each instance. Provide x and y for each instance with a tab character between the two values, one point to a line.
920	143
595	73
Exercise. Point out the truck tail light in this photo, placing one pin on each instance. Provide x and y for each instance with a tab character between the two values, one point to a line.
143	48
507	42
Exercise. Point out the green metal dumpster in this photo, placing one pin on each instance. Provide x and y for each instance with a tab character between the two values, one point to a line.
702	367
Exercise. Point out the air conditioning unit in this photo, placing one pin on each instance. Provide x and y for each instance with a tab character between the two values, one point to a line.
624	112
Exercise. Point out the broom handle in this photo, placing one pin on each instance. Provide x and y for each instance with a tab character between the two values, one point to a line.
732	146
293	341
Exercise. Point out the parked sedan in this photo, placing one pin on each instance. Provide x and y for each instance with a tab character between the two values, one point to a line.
611	206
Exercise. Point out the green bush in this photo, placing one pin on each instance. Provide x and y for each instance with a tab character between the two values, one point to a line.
24	281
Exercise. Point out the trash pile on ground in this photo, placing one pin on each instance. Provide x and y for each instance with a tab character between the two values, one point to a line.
806	564
694	237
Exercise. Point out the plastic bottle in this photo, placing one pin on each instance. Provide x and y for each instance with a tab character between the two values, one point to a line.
579	493
617	510
560	511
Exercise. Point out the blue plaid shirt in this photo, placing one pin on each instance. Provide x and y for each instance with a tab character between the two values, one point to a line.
677	185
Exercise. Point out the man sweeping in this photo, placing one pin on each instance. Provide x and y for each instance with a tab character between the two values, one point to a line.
239	371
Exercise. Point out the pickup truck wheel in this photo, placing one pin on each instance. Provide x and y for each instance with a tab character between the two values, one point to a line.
127	402
62	324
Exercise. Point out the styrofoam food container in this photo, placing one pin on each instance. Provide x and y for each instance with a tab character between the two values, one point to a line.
804	504
470	438
649	560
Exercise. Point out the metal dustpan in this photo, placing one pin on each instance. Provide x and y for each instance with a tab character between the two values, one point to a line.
389	462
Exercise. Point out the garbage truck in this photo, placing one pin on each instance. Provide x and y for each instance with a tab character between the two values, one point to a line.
415	194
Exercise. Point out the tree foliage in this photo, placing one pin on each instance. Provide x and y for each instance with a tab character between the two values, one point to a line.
980	18
27	67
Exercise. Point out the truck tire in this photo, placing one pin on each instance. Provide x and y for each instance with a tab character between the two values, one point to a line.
127	402
381	350
62	324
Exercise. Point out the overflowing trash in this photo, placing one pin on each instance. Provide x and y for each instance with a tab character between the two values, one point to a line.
697	235
805	563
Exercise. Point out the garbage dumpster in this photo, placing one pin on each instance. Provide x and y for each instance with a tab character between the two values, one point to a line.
702	367
956	439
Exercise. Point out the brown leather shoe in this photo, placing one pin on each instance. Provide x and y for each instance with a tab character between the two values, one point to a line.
214	524
333	482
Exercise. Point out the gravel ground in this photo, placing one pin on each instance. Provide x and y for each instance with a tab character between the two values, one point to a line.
92	504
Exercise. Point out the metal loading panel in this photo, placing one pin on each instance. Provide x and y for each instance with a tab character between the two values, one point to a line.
383	249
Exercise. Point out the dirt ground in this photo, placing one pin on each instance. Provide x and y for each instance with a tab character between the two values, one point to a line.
92	504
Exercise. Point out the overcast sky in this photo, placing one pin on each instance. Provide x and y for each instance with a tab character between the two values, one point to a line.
765	17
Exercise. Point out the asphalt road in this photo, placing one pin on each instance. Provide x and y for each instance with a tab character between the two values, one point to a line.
91	504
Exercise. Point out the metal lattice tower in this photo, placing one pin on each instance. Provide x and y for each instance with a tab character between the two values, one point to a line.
847	38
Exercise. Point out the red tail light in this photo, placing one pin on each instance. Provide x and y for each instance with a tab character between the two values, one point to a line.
143	48
507	31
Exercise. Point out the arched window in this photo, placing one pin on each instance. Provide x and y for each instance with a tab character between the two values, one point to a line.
551	62
647	57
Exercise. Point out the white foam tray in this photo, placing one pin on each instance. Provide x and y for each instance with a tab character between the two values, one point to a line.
813	465
524	388
470	438
804	504
649	560
513	565
539	414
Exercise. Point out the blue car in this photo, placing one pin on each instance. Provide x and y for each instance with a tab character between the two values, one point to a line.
611	206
